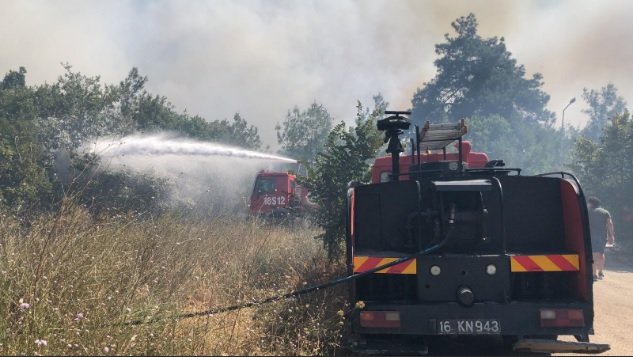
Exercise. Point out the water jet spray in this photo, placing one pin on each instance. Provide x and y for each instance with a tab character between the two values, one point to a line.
162	144
211	176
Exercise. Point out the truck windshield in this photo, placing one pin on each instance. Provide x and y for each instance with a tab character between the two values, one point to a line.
265	185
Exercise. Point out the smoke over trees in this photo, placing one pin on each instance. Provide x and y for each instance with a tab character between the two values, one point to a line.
604	104
43	127
478	79
606	170
303	133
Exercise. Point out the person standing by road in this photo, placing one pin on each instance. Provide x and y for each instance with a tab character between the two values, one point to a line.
602	233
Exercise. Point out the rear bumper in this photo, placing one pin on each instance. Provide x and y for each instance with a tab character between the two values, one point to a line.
515	318
549	346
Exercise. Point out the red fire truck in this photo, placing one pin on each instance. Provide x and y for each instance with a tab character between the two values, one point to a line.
381	170
452	247
276	194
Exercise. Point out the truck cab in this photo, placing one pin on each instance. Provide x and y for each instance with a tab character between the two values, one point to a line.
277	194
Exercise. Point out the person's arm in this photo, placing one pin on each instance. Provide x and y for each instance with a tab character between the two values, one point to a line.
610	231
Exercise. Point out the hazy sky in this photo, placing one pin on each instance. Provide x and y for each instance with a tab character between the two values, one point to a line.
260	58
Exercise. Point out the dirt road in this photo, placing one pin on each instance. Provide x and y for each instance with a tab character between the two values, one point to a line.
613	306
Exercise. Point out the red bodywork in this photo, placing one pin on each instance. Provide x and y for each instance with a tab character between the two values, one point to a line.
275	191
532	230
382	165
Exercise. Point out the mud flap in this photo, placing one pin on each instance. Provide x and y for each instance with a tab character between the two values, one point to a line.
553	346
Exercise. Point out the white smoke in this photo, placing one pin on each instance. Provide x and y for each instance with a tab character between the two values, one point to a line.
260	58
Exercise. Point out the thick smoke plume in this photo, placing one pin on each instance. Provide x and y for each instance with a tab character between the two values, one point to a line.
260	58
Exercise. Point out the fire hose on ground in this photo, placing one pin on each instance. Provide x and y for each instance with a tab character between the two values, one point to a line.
294	293
522	345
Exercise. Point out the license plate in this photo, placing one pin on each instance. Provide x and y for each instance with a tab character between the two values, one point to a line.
469	327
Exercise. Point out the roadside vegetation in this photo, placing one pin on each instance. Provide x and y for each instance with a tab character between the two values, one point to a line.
96	261
72	283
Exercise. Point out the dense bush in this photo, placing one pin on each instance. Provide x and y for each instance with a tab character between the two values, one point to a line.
346	157
43	130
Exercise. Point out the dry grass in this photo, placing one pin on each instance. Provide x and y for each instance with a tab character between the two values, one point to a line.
69	284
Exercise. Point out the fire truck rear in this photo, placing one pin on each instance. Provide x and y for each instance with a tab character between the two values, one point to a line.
468	249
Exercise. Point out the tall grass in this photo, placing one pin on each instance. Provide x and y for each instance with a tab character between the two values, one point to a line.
70	284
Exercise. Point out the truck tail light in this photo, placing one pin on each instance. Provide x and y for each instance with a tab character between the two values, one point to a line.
562	318
380	319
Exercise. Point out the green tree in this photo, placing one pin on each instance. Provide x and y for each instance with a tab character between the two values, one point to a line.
14	79
303	133
605	169
604	104
479	77
74	109
156	113
43	129
131	90
492	135
24	185
533	147
17	101
240	133
346	157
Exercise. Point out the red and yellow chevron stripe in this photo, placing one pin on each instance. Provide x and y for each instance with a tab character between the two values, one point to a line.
538	263
363	264
518	264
